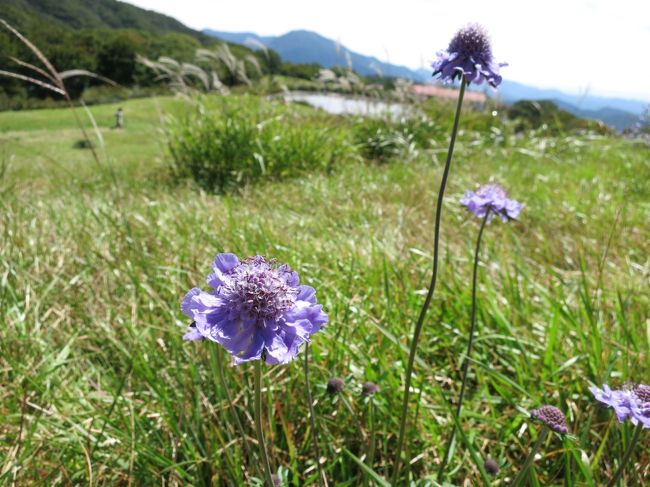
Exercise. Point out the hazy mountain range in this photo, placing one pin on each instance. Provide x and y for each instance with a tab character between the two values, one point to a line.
617	112
302	46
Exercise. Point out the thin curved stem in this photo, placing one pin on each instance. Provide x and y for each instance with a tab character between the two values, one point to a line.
531	456
427	302
258	424
322	480
627	455
468	355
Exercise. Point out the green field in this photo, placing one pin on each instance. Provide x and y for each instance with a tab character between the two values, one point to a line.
98	388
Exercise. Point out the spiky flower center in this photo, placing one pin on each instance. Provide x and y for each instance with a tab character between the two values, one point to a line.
642	392
551	417
492	191
471	41
258	290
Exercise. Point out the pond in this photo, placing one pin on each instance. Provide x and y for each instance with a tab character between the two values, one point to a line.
340	104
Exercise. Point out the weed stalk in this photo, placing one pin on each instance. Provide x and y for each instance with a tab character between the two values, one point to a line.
434	276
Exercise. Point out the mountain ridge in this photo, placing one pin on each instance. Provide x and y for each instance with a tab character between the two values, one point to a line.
306	47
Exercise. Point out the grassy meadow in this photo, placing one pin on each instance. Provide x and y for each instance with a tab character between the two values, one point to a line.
98	388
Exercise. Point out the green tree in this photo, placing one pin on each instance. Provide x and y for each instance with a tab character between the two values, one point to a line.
116	59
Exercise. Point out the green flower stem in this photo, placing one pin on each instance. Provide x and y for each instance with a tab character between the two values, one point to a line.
371	420
348	406
258	423
531	456
627	455
427	302
322	480
468	355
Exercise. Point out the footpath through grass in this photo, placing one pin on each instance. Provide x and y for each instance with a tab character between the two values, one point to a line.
97	387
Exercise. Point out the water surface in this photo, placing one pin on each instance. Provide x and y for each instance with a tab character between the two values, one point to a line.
346	105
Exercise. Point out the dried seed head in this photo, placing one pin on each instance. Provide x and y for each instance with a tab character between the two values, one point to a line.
491	466
335	385
369	389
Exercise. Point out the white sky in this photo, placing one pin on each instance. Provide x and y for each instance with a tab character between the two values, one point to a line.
600	47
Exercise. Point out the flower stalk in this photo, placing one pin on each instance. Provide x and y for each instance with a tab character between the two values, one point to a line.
217	358
434	276
268	474
470	343
373	435
322	480
531	456
627	455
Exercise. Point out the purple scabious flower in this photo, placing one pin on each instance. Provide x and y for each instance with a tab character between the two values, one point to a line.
256	310
631	403
551	417
494	198
469	56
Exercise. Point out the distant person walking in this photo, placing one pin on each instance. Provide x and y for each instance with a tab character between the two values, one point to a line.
119	118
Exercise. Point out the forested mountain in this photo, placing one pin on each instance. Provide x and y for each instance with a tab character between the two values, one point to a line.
102	36
89	14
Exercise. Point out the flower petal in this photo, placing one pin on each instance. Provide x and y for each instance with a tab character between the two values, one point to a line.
225	262
306	293
192	334
222	265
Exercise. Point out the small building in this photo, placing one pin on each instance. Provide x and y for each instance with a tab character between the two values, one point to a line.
427	91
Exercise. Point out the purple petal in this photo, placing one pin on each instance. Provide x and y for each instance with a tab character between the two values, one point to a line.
197	301
221	267
192	334
225	262
243	342
282	346
306	293
187	303
309	318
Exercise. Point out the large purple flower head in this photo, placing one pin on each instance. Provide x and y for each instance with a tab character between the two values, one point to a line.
631	403
492	198
257	310
469	56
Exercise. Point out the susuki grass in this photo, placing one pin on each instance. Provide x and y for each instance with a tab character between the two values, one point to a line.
97	387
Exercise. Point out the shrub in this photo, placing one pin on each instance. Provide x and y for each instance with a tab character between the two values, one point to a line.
381	139
545	114
244	142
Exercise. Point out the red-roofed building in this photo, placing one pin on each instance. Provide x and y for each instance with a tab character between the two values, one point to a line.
448	93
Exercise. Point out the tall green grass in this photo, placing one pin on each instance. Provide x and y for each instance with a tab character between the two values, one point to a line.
97	387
